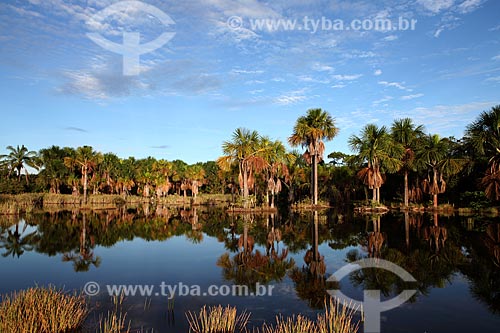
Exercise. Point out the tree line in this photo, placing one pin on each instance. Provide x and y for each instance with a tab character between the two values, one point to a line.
400	162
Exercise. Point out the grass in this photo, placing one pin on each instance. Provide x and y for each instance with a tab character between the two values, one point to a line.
115	321
217	319
25	203
337	318
42	310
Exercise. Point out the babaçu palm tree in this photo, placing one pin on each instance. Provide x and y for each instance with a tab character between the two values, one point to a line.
310	131
17	159
405	132
376	148
483	135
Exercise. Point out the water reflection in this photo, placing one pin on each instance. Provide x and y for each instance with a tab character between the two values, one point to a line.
15	243
311	280
250	266
84	257
296	252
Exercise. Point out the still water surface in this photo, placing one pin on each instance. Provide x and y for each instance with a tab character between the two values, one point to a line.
455	260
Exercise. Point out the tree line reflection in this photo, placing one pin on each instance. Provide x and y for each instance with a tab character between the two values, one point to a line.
264	249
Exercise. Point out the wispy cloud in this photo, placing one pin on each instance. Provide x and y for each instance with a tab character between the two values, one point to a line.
160	147
436	6
245	71
393	85
497	57
408	97
377	72
291	97
347	77
383	100
390	38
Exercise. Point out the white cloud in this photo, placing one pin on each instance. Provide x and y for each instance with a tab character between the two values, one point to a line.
447	119
322	68
394	85
291	97
408	97
438	32
435	6
469	5
307	78
495	28
494	79
348	77
377	72
390	38
383	100
497	57
244	71
338	86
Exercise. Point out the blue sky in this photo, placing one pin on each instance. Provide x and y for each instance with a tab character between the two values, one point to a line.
58	87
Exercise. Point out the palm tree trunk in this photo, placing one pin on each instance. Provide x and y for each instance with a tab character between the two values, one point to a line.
84	170
435	201
245	187
406	189
315	179
374	194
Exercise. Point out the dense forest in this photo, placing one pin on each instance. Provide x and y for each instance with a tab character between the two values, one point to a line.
398	163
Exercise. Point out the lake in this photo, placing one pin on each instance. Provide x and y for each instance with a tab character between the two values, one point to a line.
290	256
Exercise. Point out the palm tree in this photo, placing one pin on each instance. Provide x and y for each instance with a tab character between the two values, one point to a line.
436	155
53	171
85	159
376	147
245	150
405	132
483	135
18	159
310	131
277	159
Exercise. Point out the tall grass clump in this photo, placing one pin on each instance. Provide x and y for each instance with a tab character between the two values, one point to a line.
115	321
42	310
299	324
338	318
217	319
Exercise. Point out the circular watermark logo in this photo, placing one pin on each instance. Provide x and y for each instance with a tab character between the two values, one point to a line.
372	305
131	49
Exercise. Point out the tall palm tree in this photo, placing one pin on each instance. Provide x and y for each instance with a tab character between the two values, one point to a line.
376	147
310	131
483	135
18	158
245	150
84	159
436	155
405	132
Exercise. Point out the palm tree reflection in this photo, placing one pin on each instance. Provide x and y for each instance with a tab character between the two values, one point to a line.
84	257
310	280
250	266
15	243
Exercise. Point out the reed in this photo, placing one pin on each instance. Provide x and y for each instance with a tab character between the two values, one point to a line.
42	310
217	319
